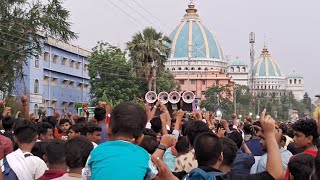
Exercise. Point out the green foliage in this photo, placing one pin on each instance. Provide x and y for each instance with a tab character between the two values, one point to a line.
166	82
111	76
218	97
145	48
21	22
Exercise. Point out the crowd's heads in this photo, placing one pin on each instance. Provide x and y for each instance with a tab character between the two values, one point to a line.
39	149
64	125
208	149
77	130
99	114
51	119
127	120
77	151
156	124
25	132
236	137
8	122
94	132
229	148
193	129
45	131
149	143
55	152
305	133
301	166
182	146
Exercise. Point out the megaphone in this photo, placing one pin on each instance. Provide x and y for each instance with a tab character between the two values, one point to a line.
174	97
151	97
188	97
163	97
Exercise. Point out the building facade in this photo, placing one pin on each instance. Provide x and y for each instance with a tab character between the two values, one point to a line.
196	58
56	79
268	79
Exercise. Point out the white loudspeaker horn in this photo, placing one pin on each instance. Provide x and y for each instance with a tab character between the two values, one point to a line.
174	97
151	97
188	97
163	97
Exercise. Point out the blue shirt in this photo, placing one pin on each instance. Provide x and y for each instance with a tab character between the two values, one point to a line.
285	156
103	132
169	159
242	163
255	147
119	160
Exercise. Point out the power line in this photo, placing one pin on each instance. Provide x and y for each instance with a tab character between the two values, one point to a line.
151	14
140	14
124	12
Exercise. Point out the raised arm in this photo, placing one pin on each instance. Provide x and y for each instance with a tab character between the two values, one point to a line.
274	162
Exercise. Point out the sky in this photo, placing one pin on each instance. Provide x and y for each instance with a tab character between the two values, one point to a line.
290	28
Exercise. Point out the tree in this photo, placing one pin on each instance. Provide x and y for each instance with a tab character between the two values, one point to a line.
146	48
111	76
307	102
218	97
166	82
21	23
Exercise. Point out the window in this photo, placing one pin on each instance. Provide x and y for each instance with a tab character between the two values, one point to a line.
64	83
71	83
36	62
237	69
78	65
185	68
64	61
203	82
192	68
86	67
232	69
244	69
72	63
36	86
54	81
193	81
35	110
46	56
55	59
179	68
181	81
86	87
173	69
199	68
295	81
299	81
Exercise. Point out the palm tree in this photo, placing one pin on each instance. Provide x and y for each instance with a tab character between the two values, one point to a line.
148	48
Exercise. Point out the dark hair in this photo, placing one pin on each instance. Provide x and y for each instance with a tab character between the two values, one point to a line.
8	122
25	131
39	149
248	129
100	113
290	133
52	120
283	138
55	151
301	166
156	124
236	137
229	148
79	128
77	151
62	121
43	127
81	120
307	127
128	119
92	127
182	146
149	143
193	129
284	128
207	148
149	132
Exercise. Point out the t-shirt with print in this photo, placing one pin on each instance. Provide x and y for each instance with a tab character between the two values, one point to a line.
119	160
186	162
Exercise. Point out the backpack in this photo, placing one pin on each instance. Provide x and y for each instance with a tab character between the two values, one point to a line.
199	174
7	172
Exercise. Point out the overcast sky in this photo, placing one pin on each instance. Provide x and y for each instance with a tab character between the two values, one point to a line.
290	28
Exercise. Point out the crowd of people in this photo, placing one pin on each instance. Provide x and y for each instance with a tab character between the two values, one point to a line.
132	142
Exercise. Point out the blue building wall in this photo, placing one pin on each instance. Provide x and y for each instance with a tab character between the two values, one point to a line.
62	77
